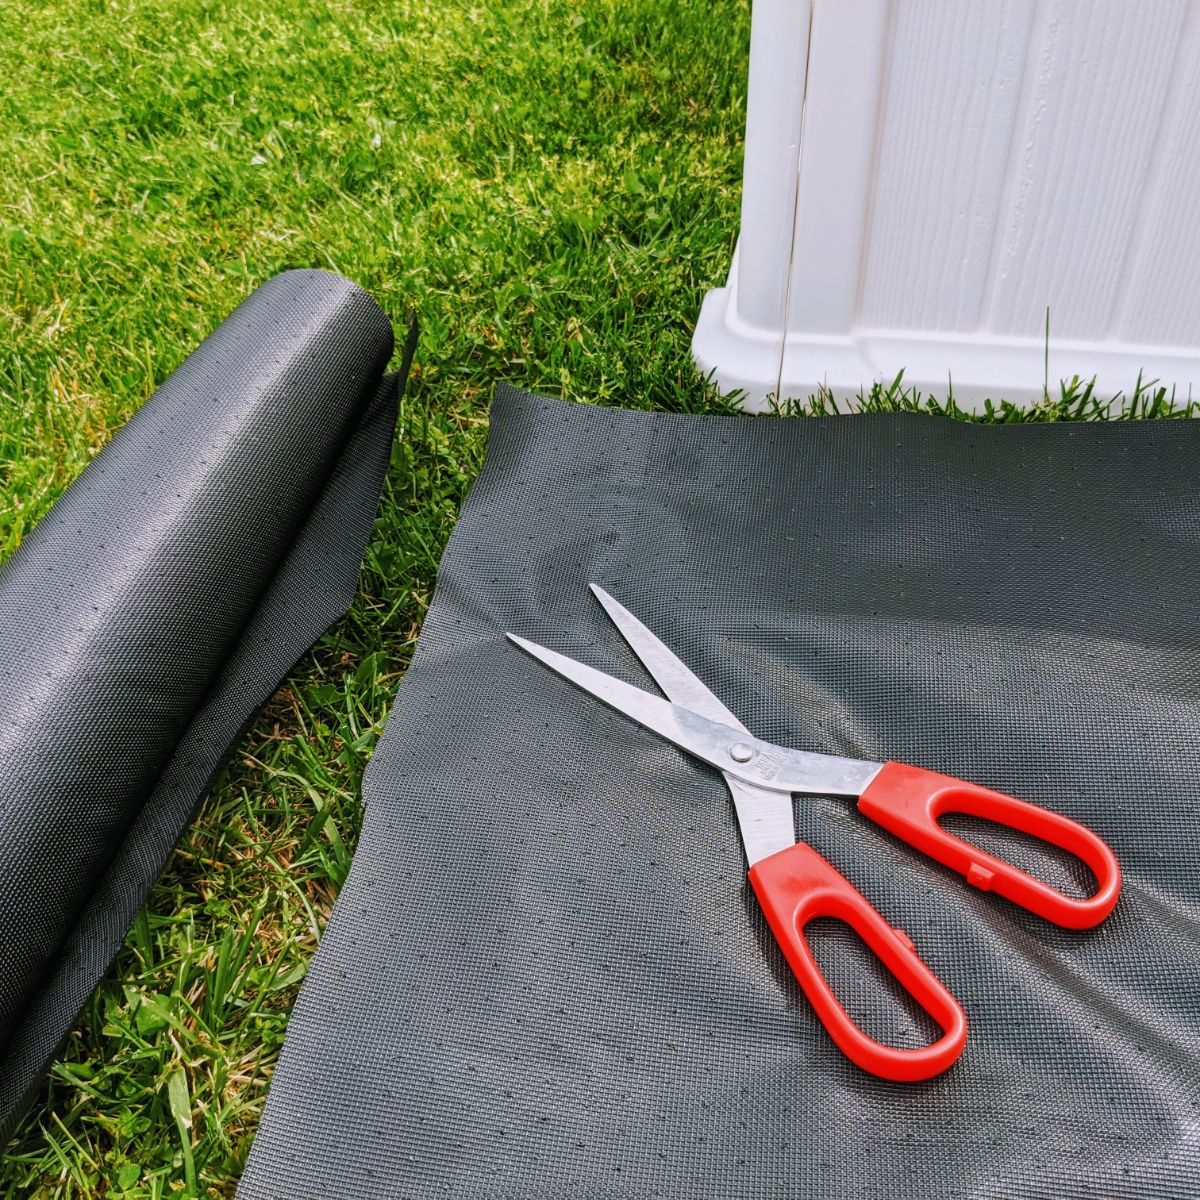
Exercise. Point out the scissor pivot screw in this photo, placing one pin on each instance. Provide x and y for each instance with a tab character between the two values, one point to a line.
740	752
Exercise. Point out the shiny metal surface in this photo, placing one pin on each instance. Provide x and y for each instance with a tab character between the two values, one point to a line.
776	768
765	817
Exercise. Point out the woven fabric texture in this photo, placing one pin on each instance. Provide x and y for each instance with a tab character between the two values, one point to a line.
546	975
159	602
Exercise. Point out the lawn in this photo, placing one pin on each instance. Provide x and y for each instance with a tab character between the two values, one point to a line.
551	185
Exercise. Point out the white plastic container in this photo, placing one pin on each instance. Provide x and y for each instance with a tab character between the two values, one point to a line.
925	178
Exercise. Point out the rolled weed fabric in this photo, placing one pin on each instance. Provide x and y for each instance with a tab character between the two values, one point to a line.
157	604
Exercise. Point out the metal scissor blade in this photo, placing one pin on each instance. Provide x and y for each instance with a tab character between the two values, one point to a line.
765	817
671	673
739	754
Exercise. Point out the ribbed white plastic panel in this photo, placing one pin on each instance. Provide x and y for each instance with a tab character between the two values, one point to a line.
924	179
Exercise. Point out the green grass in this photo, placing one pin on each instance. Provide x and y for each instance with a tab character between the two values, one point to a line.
552	185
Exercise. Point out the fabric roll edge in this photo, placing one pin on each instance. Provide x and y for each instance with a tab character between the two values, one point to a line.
311	587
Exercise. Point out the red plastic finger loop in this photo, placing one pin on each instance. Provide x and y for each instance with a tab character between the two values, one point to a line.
907	801
796	886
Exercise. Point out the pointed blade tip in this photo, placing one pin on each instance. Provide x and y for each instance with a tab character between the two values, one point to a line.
612	605
544	655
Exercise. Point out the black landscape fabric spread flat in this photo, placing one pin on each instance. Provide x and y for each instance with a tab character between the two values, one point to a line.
546	975
158	603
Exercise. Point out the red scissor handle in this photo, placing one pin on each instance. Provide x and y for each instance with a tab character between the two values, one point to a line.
907	801
796	886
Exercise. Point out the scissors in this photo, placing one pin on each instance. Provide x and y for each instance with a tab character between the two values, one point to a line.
795	885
